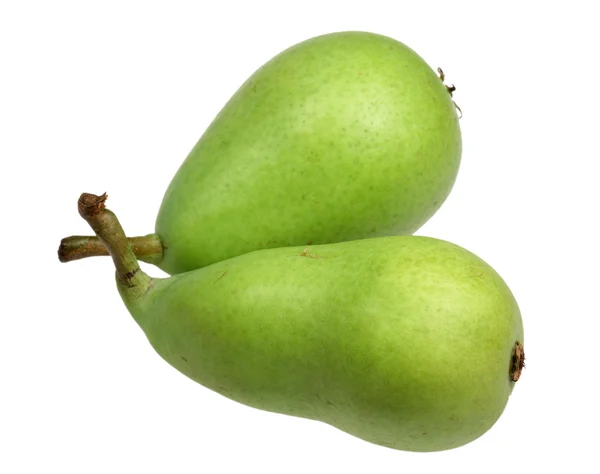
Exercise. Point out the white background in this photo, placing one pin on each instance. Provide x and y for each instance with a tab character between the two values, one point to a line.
111	96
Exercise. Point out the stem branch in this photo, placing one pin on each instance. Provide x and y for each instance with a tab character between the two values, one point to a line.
148	248
109	231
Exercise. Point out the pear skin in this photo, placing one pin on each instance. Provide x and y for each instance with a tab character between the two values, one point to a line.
407	342
345	136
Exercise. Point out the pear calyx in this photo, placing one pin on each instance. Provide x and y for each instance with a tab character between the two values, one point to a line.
517	363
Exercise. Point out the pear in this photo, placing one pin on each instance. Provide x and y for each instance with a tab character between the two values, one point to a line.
344	136
408	342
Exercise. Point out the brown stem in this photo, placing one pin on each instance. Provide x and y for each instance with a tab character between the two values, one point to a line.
108	229
148	248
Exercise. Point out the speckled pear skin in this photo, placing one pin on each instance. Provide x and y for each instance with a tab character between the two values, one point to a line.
402	341
345	136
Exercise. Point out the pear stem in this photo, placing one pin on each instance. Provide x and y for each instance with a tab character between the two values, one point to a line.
148	248
109	231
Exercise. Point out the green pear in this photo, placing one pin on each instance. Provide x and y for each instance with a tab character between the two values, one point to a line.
345	136
407	342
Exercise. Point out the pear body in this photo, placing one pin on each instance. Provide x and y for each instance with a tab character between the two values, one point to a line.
345	136
402	341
